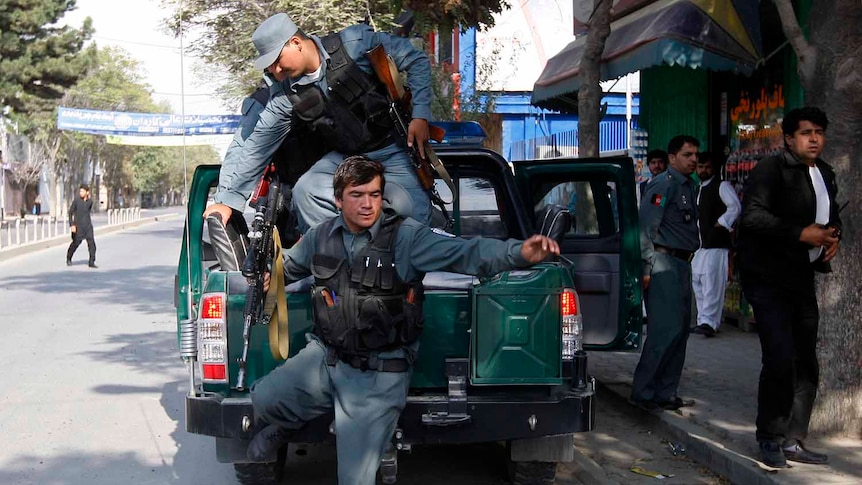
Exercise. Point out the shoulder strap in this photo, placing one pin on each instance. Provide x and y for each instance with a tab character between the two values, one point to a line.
333	46
261	95
328	245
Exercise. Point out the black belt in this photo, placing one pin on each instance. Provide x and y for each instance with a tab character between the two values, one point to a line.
365	362
677	253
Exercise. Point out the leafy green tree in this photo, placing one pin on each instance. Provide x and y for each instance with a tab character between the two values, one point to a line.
223	29
39	60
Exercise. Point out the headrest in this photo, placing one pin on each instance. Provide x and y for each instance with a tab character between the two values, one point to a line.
395	197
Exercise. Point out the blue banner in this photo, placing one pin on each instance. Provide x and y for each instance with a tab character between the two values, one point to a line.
143	124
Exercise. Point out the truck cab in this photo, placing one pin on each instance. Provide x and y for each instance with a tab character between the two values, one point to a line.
502	359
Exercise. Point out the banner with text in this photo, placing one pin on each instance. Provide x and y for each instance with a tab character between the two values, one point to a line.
144	124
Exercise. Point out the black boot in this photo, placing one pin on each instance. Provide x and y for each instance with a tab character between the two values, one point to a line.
772	454
265	444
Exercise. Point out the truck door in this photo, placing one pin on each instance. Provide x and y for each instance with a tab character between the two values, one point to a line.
602	243
195	255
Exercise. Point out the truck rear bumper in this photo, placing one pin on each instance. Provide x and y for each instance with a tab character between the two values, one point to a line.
490	418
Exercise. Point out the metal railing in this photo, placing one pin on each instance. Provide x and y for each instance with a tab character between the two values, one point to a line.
19	232
612	137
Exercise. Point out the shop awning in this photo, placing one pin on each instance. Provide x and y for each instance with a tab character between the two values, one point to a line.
689	33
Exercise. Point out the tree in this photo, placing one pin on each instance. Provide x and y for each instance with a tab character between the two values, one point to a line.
39	61
224	29
830	70
590	92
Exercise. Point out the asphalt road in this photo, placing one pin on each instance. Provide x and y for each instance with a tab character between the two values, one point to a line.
93	386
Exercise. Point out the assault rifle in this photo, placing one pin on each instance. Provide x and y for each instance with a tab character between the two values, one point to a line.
267	199
400	110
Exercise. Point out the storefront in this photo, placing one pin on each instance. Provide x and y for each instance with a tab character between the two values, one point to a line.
719	71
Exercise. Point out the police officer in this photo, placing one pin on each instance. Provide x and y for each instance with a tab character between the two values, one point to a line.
669	237
327	84
368	265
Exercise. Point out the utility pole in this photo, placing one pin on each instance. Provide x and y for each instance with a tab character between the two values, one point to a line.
3	154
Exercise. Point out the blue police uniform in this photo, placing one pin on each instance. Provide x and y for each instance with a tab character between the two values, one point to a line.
669	237
367	403
312	196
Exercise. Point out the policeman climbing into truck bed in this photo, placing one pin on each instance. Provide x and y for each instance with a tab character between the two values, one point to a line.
368	264
327	85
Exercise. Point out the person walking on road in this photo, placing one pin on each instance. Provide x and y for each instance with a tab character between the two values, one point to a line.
81	225
668	223
717	207
789	229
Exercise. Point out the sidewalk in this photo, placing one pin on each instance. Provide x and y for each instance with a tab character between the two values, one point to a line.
721	375
100	227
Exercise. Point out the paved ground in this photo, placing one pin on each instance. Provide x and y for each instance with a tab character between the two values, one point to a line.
721	374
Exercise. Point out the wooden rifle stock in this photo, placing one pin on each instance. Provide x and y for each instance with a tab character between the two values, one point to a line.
400	98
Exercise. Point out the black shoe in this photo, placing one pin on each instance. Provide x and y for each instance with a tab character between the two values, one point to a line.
93	265
803	455
705	330
675	403
68	262
647	406
266	443
773	455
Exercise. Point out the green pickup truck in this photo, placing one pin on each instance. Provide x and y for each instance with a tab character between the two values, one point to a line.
501	359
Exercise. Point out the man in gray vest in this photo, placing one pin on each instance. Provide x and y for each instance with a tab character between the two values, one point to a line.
368	265
668	223
718	207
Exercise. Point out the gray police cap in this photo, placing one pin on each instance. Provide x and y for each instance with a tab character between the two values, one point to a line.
270	38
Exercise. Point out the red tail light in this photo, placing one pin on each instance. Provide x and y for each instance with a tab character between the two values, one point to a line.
212	337
212	306
214	372
569	303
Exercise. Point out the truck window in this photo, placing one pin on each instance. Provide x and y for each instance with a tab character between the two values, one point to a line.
478	208
592	202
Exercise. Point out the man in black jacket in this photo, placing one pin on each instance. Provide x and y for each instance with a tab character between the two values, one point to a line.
81	225
789	229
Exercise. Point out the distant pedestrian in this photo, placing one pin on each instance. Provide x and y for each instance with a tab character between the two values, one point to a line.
789	229
717	207
81	225
37	205
668	223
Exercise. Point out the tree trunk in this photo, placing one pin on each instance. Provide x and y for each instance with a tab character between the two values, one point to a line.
590	93
835	87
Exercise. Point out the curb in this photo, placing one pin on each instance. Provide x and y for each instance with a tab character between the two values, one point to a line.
590	472
63	240
702	445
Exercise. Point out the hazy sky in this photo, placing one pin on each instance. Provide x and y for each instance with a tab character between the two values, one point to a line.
136	27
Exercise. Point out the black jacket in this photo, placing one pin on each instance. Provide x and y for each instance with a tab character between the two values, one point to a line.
79	213
778	203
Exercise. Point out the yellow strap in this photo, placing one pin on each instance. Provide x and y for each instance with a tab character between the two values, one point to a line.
275	304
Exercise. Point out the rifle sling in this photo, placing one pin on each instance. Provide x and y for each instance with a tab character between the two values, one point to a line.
437	165
275	304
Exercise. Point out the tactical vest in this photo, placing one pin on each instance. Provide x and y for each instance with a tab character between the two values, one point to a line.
709	209
364	308
353	117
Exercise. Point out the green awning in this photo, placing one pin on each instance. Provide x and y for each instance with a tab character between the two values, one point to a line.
690	33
